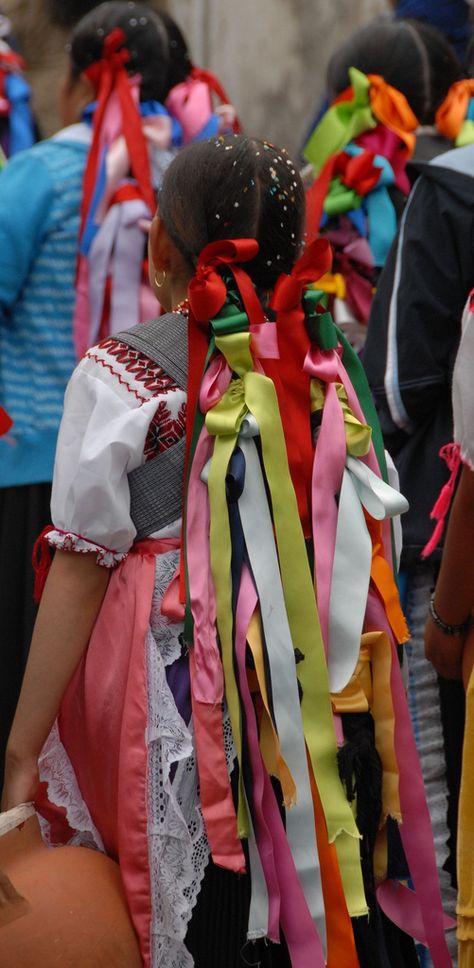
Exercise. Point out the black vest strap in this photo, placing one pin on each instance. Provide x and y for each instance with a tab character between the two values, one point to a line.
156	488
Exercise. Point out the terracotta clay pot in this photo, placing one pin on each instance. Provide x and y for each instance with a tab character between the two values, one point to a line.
59	906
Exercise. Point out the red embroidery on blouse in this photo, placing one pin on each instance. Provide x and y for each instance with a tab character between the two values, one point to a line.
164	430
144	370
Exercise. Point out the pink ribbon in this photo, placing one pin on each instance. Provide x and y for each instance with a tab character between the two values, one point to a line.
264	342
214	383
415	830
207	680
287	903
328	469
190	103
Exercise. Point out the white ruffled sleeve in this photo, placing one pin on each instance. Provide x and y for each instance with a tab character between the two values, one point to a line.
463	388
101	439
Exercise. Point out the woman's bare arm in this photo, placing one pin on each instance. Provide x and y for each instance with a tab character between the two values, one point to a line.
71	600
454	596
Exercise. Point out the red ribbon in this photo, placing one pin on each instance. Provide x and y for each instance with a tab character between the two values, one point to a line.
207	294
207	291
11	62
291	382
214	85
108	75
314	263
451	454
41	558
5	422
356	172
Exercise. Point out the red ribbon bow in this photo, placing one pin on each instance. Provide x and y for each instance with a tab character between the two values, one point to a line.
357	172
207	290
314	263
107	75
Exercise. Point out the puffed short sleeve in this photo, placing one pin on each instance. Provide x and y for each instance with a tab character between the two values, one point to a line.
463	388
101	439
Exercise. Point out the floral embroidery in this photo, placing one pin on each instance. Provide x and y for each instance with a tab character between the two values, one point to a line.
141	367
165	429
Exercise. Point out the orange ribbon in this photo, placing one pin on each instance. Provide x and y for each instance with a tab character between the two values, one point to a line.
340	936
451	114
382	577
392	109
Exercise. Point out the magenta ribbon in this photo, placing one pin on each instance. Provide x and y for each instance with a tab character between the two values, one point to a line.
287	903
400	905
382	141
415	830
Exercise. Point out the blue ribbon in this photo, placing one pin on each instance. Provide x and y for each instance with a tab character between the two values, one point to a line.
21	126
380	224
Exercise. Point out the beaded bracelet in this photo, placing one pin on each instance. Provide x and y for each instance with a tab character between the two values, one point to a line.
447	629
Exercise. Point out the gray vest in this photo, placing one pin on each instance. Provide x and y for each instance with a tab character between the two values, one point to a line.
156	488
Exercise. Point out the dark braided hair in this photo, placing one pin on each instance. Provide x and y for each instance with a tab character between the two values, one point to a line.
413	57
157	48
236	187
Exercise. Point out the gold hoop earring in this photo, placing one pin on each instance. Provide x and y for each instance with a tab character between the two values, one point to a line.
160	284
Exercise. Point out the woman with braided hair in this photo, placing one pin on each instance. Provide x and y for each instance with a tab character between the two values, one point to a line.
239	743
130	100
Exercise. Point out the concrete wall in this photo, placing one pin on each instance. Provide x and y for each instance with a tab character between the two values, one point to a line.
270	54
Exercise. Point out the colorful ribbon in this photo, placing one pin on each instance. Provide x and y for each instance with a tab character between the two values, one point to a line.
452	113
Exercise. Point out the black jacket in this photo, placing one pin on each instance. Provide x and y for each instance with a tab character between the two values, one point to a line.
414	331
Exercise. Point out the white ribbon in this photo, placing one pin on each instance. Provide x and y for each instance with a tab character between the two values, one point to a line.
352	564
260	543
118	248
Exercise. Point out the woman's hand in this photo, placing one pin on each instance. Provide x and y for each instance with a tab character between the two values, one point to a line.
444	651
21	781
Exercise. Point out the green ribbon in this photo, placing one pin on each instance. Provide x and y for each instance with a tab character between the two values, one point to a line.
340	199
358	435
320	326
466	134
342	123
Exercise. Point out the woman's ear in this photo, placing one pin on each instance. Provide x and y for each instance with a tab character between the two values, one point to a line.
159	246
74	96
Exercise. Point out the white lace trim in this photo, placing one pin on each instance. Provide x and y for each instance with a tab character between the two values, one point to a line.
56	769
178	848
166	633
68	541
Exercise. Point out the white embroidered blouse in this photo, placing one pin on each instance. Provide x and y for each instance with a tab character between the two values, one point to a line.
121	409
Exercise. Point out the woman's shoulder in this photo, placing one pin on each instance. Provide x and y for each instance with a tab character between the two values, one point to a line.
163	340
131	365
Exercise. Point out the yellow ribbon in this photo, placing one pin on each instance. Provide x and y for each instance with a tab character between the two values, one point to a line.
358	435
369	689
256	393
269	741
332	283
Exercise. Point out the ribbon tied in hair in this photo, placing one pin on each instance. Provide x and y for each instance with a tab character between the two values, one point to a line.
314	263
108	75
207	290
